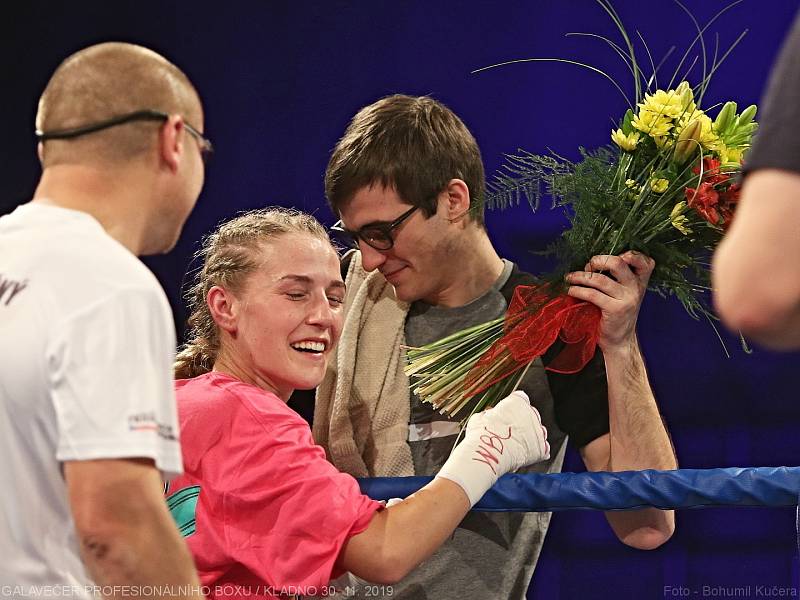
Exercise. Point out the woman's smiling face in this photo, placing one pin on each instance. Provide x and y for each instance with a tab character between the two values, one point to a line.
288	315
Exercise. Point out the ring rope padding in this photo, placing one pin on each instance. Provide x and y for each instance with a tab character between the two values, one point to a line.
624	490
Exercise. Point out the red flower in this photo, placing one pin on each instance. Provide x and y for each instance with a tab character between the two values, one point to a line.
727	217
711	172
727	204
709	164
730	196
704	200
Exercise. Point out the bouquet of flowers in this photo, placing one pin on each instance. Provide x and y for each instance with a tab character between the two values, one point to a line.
666	187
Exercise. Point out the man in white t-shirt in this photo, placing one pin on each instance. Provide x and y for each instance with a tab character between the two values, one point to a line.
88	422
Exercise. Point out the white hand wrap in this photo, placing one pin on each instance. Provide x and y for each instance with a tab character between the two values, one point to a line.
498	440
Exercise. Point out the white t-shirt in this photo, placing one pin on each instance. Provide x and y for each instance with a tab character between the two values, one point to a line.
87	344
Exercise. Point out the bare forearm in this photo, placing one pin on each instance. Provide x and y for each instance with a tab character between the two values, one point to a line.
128	540
638	439
756	295
401	536
779	332
122	560
496	441
755	275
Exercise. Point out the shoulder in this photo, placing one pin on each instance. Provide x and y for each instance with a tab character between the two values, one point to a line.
97	270
117	268
81	244
224	398
520	277
516	278
70	253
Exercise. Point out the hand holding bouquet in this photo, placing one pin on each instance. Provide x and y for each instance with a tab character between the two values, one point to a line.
666	188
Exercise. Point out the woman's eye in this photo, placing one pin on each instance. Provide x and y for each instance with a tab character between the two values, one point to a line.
296	295
336	300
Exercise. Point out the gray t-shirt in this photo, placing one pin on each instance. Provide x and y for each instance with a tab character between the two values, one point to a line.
776	145
490	555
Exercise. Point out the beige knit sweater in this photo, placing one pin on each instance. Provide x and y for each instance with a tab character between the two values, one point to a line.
362	408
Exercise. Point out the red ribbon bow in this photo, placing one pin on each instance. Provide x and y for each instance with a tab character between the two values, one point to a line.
534	320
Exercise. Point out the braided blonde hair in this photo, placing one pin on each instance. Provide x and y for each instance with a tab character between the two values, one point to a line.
229	255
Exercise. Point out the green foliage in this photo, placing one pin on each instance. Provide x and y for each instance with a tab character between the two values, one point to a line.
609	216
666	189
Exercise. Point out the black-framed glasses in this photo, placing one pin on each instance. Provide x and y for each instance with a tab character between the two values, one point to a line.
377	235
205	145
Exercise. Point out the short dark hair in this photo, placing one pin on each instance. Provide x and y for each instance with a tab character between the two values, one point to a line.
415	145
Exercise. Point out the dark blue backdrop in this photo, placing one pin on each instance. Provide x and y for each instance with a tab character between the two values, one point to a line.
280	82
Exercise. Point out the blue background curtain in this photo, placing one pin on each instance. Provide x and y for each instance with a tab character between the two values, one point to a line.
280	81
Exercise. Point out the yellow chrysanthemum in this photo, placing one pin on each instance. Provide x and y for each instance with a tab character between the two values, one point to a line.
730	155
631	183
666	104
659	185
678	219
651	123
626	142
663	141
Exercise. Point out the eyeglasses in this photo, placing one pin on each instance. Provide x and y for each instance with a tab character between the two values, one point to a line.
377	235
206	148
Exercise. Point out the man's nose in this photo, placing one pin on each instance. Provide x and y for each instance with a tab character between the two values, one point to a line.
371	258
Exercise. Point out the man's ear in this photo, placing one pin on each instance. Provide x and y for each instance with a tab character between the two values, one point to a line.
223	307
456	200
170	142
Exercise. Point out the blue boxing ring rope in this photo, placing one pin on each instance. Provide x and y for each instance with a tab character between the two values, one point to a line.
626	490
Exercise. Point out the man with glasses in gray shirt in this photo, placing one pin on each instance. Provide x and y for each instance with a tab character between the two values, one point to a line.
407	181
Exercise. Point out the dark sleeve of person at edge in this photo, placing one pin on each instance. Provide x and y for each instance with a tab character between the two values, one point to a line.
581	399
777	144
